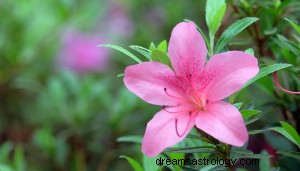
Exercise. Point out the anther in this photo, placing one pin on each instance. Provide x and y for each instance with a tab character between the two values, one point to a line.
176	127
190	75
281	88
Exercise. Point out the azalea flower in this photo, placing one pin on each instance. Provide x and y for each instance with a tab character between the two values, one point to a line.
191	93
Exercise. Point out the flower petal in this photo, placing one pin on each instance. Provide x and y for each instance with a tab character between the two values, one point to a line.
161	131
148	80
187	49
224	122
228	72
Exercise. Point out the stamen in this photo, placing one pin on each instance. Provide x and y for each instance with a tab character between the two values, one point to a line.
176	127
165	89
281	88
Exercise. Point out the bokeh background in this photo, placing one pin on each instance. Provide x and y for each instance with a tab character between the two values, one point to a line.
62	106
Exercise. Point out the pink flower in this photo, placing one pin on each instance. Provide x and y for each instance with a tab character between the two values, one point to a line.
80	53
193	91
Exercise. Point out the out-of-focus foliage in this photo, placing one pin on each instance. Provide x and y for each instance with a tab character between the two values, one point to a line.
54	117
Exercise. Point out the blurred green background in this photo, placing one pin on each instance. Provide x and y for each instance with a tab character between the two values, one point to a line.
62	106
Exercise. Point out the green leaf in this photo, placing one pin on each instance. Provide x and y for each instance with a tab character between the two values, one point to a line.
250	51
232	31
152	46
295	26
241	153
251	120
204	149
266	71
133	163
290	130
145	52
257	131
121	75
120	49
159	56
264	163
163	46
238	105
249	113
283	132
130	138
293	154
150	163
214	13
187	168
19	161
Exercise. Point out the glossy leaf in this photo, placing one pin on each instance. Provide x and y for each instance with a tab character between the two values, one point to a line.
191	150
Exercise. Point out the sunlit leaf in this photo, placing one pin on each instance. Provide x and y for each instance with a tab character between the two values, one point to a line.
238	105
163	46
249	113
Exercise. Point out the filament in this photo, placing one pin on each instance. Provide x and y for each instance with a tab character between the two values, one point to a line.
165	89
281	88
176	127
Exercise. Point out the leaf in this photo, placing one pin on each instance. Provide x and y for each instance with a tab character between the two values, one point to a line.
120	49
205	149
159	56
250	51
241	153
145	52
214	12
238	105
121	75
19	161
133	163
163	46
251	120
130	138
283	132
295	26
150	163
249	113
290	130
293	154
264	163
152	46
232	31
266	71
187	168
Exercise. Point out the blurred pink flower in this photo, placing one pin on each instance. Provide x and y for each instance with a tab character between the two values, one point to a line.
80	53
193	91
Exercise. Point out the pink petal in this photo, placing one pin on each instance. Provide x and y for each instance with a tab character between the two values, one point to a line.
187	49
161	132
148	81
224	122
228	72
